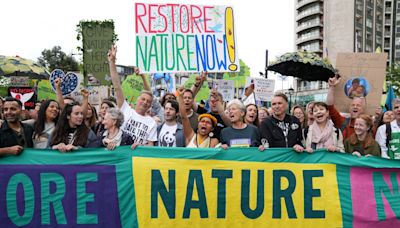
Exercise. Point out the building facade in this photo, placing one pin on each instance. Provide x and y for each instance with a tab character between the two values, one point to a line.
330	27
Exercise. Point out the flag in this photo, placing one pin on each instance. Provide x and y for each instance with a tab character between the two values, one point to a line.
389	98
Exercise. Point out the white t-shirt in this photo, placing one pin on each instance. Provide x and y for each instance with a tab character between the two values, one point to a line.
167	136
141	128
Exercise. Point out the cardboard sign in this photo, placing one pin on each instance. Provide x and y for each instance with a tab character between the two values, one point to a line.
26	95
263	88
226	88
185	38
362	75
96	94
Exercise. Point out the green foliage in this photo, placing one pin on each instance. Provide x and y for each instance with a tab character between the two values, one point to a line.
203	93
55	58
393	77
239	78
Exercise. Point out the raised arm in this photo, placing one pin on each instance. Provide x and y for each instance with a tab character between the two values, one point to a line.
116	81
198	83
85	102
60	98
187	129
146	85
332	82
220	108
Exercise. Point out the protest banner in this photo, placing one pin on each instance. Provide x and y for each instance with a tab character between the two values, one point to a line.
180	187
185	38
97	38
226	88
362	75
27	96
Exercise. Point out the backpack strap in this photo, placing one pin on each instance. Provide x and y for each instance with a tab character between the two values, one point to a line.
388	134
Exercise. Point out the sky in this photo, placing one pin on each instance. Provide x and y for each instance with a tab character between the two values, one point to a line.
32	26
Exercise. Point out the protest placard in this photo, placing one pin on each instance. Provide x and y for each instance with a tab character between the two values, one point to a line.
226	88
185	38
263	88
362	75
97	39
27	96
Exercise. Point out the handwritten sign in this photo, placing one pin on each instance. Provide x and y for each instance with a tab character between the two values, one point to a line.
97	40
185	38
263	88
226	88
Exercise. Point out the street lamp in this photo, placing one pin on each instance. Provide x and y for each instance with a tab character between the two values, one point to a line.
290	92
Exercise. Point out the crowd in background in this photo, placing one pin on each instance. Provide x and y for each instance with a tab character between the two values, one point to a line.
176	120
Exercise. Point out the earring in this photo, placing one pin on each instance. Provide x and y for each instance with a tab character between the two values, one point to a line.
211	134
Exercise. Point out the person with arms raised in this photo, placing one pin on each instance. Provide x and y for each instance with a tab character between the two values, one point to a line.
137	124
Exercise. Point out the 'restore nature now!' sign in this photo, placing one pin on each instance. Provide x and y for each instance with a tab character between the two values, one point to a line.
185	38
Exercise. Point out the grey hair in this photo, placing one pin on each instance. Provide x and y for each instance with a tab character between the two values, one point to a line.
238	103
117	115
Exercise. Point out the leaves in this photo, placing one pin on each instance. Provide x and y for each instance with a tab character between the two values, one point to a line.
393	77
55	58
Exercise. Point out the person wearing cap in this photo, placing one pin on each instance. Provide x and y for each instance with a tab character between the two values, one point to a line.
356	108
239	134
390	147
202	138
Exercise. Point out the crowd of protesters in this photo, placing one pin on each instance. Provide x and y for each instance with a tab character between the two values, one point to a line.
176	120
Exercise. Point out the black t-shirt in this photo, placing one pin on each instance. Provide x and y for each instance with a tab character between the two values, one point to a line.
220	123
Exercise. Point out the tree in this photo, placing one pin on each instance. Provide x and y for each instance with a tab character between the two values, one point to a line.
393	77
55	58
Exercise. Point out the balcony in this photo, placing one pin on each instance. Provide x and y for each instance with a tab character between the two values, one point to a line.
305	2
309	38
309	25
309	12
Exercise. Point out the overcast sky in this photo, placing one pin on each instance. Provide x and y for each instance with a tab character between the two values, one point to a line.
30	26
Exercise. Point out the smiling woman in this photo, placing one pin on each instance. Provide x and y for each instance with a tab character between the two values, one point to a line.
322	133
71	132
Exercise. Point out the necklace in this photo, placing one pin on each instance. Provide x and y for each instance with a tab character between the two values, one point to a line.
109	136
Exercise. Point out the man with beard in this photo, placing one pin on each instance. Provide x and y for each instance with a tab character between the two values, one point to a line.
14	135
170	133
281	129
356	108
141	127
